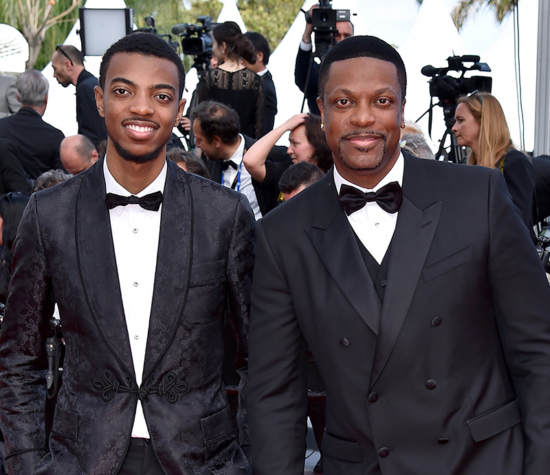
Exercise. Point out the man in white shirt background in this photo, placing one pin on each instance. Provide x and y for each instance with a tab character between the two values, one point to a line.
147	264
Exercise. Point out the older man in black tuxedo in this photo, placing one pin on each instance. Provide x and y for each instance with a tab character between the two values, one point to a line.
416	287
144	262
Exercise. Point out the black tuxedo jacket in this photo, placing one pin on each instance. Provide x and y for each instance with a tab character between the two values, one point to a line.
270	102
449	374
36	142
267	191
64	253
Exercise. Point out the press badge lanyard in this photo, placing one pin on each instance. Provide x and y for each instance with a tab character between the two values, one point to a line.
237	180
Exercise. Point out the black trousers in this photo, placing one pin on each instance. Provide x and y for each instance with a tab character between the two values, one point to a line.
140	459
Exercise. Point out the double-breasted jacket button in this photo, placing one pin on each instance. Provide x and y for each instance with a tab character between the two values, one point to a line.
373	397
344	342
436	321
383	283
384	452
431	384
443	440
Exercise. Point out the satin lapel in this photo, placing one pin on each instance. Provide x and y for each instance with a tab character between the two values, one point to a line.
97	265
334	241
416	225
173	266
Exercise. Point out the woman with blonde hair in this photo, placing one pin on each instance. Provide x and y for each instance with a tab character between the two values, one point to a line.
481	126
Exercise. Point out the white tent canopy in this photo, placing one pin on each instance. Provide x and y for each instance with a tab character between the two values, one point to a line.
230	12
431	40
14	50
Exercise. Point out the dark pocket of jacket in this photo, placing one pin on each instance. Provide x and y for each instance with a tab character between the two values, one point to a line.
448	263
494	421
208	273
218	430
65	423
348	450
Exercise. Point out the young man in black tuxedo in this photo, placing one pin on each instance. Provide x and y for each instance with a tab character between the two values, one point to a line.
416	287
144	261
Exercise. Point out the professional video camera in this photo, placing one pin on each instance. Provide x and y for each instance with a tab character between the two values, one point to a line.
151	28
543	247
323	20
448	89
196	40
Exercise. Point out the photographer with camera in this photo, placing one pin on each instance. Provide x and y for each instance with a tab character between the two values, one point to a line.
231	83
481	126
304	57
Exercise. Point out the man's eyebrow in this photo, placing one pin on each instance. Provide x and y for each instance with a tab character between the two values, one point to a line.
124	80
163	86
153	87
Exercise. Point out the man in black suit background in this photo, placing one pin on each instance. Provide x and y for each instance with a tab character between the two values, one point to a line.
68	68
416	287
145	262
304	59
260	68
36	143
216	130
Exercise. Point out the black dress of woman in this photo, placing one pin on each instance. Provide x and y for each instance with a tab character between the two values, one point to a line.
241	90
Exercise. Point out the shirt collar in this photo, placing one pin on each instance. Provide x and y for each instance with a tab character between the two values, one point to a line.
237	157
261	73
395	174
112	186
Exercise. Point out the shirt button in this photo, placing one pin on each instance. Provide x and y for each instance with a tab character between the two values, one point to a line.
383	283
135	230
135	284
136	337
384	452
377	224
431	384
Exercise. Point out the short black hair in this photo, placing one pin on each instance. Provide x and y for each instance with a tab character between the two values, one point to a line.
217	119
260	44
301	173
363	47
145	44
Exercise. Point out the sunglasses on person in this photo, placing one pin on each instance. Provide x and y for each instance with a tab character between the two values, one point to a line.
60	49
477	95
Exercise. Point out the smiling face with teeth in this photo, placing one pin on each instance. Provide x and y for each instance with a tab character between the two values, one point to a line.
140	105
362	110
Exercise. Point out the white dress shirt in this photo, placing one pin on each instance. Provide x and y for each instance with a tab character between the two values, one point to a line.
246	187
136	237
374	226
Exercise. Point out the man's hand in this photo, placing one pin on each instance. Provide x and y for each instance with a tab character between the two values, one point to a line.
306	38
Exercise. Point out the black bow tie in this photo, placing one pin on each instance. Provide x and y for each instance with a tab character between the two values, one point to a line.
149	202
229	163
389	198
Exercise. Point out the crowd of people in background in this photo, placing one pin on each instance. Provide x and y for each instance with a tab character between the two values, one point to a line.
232	140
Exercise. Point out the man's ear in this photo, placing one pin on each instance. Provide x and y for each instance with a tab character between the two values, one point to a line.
95	156
99	100
260	57
403	114
321	106
217	141
181	106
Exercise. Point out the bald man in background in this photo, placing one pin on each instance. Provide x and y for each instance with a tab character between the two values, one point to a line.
77	153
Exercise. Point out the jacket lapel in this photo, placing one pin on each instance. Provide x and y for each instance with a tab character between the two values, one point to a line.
416	225
174	260
333	238
97	265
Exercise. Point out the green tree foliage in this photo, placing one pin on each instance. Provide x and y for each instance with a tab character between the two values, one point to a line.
468	8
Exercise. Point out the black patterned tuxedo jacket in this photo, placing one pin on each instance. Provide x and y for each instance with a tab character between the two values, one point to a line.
64	253
449	375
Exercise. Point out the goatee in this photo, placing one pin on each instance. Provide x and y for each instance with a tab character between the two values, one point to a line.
127	155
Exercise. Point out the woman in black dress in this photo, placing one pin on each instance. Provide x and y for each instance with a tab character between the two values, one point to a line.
231	83
481	126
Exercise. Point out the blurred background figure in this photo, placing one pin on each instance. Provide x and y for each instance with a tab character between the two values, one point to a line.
481	126
68	68
307	144
50	178
35	142
12	206
416	145
188	161
77	153
233	84
12	173
297	178
9	104
261	46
